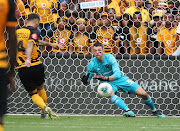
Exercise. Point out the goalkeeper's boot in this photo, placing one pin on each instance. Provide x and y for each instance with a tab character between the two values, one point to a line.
158	114
51	114
129	114
44	115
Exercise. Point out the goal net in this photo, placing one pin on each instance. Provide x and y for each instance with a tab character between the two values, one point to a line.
157	74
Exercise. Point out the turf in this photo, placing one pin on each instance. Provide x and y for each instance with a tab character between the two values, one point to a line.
90	123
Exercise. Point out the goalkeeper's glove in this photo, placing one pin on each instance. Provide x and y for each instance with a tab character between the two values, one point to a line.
84	79
101	78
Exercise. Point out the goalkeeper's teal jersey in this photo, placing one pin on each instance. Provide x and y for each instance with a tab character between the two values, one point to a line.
109	66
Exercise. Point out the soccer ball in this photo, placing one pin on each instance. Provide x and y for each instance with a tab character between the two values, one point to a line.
104	89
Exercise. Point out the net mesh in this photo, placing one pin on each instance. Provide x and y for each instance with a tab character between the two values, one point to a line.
157	74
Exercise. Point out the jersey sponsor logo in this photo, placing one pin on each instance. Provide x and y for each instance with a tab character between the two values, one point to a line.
107	66
168	42
108	73
43	4
138	41
105	42
34	36
62	41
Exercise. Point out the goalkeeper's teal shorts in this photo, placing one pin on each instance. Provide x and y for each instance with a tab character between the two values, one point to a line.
125	84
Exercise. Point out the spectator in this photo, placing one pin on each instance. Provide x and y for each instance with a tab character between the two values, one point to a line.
115	5
92	23
63	6
105	35
44	9
124	4
79	41
27	6
139	7
176	4
61	36
152	33
93	20
138	36
177	20
149	7
161	8
167	36
21	13
123	33
72	17
112	14
177	52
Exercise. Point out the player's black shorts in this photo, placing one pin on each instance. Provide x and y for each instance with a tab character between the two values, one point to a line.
32	77
3	91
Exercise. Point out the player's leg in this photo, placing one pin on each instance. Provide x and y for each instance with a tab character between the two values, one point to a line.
26	76
29	78
40	103
39	80
120	103
3	95
148	101
42	94
37	99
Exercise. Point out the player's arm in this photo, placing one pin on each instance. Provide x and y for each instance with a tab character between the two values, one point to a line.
116	72
29	49
88	75
160	42
46	43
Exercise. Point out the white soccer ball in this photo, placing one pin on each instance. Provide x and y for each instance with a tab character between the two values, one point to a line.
104	89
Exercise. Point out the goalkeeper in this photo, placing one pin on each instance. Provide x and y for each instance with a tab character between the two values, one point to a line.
107	68
29	65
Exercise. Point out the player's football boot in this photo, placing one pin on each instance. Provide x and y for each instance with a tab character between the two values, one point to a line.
44	115
51	114
129	114
158	114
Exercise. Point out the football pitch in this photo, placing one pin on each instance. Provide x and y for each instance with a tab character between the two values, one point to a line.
90	123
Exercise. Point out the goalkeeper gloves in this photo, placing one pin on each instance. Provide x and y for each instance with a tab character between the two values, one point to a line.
101	78
84	79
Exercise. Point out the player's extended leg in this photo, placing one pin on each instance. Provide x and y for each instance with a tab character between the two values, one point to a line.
148	101
37	99
119	102
42	94
40	103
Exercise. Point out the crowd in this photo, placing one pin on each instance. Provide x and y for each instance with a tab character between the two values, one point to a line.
123	26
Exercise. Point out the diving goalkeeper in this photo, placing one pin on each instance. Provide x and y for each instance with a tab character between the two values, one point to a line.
107	68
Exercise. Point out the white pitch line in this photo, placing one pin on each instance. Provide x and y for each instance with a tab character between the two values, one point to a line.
86	115
97	124
98	127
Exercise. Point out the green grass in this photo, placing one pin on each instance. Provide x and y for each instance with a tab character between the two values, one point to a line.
90	123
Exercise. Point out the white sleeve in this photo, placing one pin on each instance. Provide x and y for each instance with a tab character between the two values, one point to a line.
178	28
177	52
